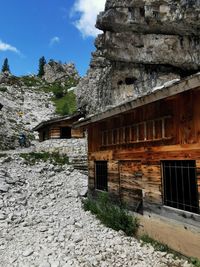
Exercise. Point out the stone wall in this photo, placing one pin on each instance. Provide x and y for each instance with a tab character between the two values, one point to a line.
73	148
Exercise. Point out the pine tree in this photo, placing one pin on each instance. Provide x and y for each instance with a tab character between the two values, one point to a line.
42	62
5	67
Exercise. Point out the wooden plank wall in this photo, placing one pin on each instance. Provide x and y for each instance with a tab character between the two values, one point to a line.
130	180
77	133
54	130
125	161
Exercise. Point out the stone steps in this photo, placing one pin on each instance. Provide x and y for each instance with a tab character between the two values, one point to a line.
80	163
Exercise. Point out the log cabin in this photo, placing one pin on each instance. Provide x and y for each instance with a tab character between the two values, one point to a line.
146	153
59	128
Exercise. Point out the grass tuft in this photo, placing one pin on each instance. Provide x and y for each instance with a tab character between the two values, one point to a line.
164	248
195	262
34	157
3	89
111	215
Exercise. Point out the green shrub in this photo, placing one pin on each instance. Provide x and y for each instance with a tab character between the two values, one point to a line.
30	80
66	105
3	155
157	245
58	90
195	262
111	215
55	158
164	248
3	89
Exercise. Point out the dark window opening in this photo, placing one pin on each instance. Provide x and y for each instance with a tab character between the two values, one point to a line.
130	80
156	14
180	185
131	9
45	135
120	83
65	133
101	175
142	12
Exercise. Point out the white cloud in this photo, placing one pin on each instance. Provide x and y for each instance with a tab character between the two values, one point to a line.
8	47
54	40
88	11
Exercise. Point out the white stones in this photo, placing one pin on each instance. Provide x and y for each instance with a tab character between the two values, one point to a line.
28	252
4	187
45	264
77	238
55	264
2	216
43	229
62	234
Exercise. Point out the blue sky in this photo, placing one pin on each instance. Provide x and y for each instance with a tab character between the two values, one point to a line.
57	29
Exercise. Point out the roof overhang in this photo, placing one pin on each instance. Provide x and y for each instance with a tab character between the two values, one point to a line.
163	92
43	124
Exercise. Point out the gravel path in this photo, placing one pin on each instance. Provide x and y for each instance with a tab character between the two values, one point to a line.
43	224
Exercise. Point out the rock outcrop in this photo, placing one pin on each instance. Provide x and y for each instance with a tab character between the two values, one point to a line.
58	72
145	44
23	108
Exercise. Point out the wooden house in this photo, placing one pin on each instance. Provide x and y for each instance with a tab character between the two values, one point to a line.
59	128
146	152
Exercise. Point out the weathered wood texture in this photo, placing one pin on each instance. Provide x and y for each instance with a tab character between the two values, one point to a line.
53	131
134	167
172	120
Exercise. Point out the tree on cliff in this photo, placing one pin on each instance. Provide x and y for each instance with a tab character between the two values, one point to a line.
5	66
42	62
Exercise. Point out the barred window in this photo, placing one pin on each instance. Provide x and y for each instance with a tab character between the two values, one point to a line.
180	185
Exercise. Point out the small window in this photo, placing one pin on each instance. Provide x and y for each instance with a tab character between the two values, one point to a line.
45	135
101	175
142	11
65	133
130	80
120	82
180	185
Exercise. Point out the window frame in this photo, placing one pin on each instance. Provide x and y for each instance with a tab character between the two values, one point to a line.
195	185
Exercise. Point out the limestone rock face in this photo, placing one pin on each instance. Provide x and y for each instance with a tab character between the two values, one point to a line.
23	108
58	72
145	44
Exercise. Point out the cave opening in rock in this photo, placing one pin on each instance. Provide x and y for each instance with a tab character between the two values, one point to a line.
130	80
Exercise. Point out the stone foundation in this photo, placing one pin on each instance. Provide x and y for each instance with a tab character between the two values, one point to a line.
73	148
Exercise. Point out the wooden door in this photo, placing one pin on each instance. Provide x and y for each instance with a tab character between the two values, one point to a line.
131	184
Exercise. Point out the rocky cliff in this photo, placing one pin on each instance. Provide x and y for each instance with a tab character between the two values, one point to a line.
145	43
58	72
29	100
23	108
